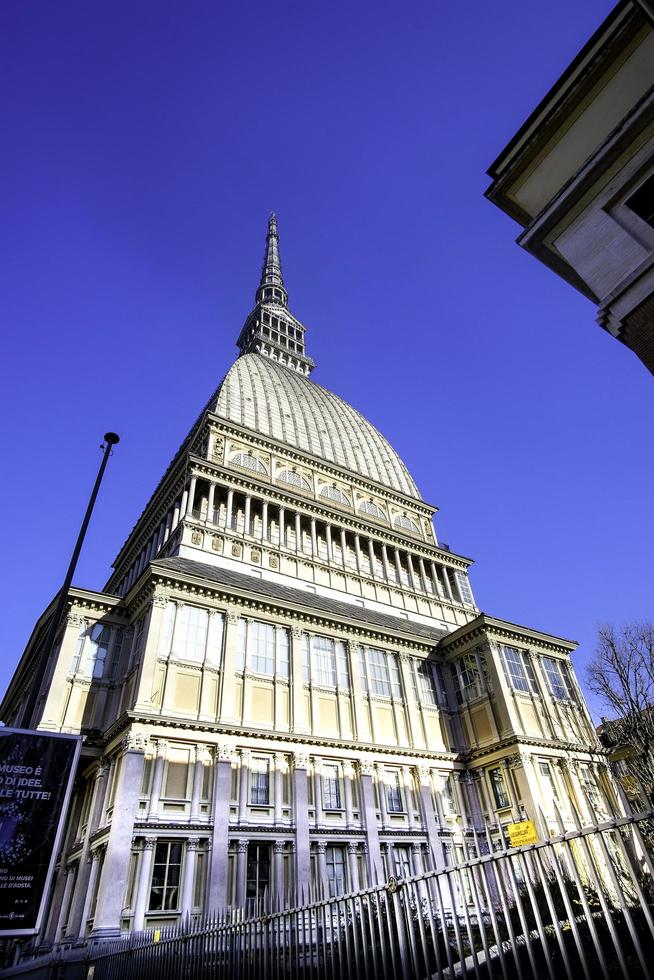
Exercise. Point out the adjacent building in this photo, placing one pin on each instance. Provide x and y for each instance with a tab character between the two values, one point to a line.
286	686
579	176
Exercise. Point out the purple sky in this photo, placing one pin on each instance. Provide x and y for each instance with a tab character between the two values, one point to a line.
144	144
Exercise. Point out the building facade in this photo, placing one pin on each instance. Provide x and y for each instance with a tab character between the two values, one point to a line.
286	687
579	176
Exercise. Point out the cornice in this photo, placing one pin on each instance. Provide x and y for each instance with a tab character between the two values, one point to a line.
487	626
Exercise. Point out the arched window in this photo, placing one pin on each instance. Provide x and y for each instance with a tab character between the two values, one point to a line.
294	478
401	520
333	493
369	507
249	462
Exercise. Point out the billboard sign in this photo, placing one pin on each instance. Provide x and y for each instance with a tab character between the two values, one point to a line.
36	778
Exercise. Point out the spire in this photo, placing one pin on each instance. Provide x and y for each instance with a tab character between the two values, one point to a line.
271	287
271	330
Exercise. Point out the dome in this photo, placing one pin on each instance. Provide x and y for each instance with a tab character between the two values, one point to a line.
275	401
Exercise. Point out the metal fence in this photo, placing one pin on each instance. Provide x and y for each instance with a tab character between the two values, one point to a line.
579	904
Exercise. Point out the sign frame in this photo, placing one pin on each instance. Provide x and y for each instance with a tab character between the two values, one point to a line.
63	816
523	828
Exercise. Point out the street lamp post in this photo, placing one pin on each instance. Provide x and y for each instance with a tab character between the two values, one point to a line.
110	440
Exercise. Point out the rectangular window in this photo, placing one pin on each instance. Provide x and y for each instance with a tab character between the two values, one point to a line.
257	882
590	788
191	638
548	780
306	668
378	672
167	627
260	782
335	870
447	795
342	665
393	792
555	680
519	670
164	890
363	675
215	639
402	859
470	681
261	648
323	666
177	775
241	642
283	651
464	588
431	686
499	789
331	788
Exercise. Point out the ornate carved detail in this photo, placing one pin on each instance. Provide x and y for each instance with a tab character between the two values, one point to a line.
301	760
321	846
273	561
237	550
74	619
162	748
416	847
242	845
232	616
192	843
280	760
424	774
216	542
149	843
366	767
348	769
278	846
135	742
103	768
225	752
218	448
353	847
159	599
196	537
203	754
391	885
256	555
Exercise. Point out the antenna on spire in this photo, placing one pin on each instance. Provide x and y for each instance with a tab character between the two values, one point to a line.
271	286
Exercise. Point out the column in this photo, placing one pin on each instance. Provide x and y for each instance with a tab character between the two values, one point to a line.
423	576
297	681
65	902
416	858
387	570
301	807
230	508
211	503
412	572
323	884
228	706
84	886
222	795
143	888
416	733
264	521
344	547
371	554
446	580
357	551
428	816
409	787
183	509
189	875
328	538
353	864
191	496
398	566
317	791
314	538
248	509
369	813
280	765
176	514
113	881
282	528
241	869
94	859
383	802
278	870
360	721
198	777
51	716
298	533
244	771
348	774
157	779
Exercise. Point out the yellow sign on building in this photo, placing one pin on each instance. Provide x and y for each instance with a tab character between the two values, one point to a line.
522	833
